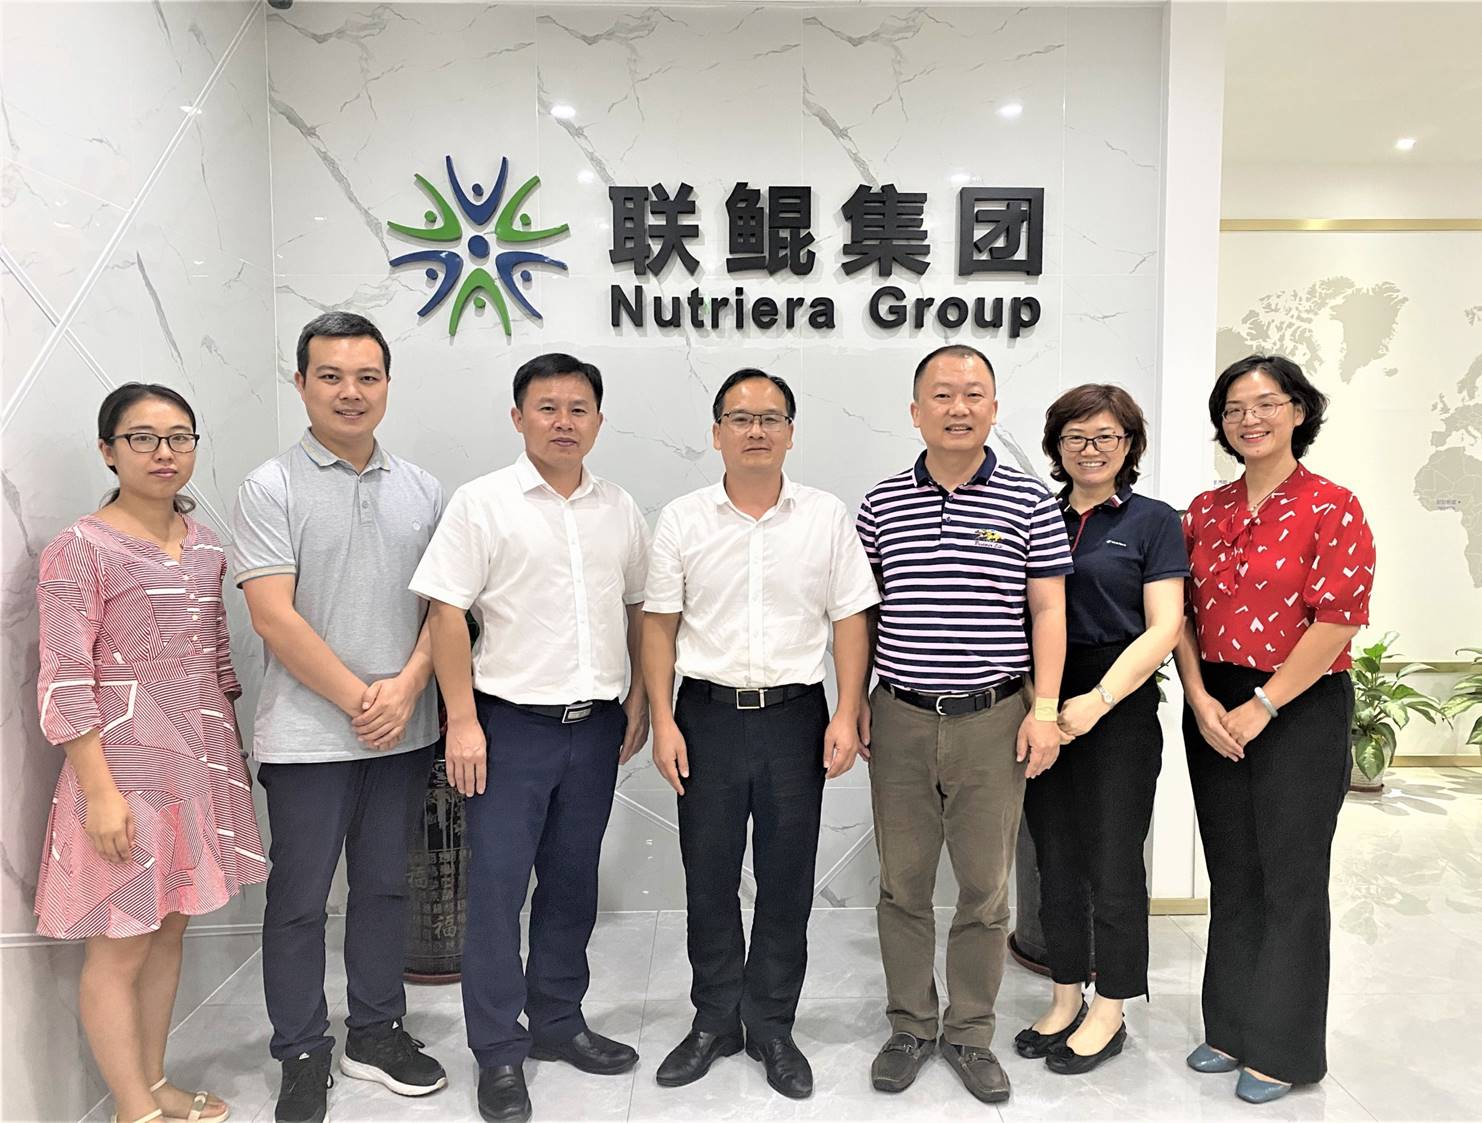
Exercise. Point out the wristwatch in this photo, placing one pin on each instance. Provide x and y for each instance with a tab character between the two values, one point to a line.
1106	695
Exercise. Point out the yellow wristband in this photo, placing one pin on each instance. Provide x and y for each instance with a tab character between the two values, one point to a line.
1046	709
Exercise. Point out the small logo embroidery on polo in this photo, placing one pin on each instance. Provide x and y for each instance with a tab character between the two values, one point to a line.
988	537
1114	542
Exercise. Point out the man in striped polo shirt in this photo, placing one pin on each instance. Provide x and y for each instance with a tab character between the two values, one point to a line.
961	545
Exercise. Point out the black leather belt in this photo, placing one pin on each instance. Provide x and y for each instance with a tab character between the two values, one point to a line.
566	715
951	705
744	698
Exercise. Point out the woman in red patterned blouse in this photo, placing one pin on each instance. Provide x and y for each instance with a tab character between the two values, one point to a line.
152	820
1282	564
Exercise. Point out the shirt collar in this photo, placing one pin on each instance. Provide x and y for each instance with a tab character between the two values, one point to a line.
985	469
786	498
324	458
530	479
1117	499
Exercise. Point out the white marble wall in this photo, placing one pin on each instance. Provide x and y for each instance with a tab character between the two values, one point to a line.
363	97
135	244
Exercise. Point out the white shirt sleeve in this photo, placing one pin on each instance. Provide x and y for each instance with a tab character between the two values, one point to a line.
456	565
852	586
665	589
635	572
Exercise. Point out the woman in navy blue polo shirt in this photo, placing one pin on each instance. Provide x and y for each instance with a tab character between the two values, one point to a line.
1089	815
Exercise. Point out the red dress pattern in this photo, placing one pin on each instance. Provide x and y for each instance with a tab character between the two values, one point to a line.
134	643
1257	582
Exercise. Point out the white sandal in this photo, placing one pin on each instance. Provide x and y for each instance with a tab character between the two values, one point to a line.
197	1107
155	1114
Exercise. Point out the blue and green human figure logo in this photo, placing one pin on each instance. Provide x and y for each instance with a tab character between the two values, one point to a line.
444	228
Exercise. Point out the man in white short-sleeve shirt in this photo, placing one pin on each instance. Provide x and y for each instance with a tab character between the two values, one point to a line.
550	560
746	581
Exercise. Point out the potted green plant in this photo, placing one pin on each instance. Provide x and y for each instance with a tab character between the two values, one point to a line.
1467	695
1383	705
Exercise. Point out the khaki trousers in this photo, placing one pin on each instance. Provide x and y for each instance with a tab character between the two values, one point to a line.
952	779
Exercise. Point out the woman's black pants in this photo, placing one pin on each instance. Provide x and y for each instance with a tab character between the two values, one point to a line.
1267	823
1089	817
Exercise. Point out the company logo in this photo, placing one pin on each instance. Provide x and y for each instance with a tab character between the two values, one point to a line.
990	537
444	228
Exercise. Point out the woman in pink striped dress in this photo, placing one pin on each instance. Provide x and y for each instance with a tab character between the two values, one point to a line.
152	821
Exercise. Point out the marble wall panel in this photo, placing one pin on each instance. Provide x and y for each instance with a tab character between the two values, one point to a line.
135	205
364	97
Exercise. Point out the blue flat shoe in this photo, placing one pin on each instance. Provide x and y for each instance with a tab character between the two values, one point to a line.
1254	1090
1205	1059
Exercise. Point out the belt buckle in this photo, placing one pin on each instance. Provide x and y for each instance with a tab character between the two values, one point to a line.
577	711
937	705
761	699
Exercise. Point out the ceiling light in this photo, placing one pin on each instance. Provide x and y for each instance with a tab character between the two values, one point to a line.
1405	143
586	175
960	178
563	112
1011	110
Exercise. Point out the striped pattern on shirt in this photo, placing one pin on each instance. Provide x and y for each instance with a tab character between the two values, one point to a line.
954	568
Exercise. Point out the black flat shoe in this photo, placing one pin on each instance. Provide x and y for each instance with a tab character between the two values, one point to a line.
1067	1062
692	1057
590	1052
1033	1044
788	1070
502	1094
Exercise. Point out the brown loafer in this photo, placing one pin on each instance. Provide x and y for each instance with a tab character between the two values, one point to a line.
897	1064
979	1071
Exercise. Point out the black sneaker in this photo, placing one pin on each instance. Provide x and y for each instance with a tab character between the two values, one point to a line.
391	1056
303	1097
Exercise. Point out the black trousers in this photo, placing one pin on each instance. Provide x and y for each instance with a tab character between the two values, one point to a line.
766	765
1089	817
368	809
1267	824
545	808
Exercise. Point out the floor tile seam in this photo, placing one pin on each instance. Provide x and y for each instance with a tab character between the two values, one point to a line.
1362	1106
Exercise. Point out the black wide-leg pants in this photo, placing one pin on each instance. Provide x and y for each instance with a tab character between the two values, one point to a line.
1267	823
1089	817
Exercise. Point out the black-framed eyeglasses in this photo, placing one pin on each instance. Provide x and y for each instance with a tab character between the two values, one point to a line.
742	421
1103	442
148	442
1261	411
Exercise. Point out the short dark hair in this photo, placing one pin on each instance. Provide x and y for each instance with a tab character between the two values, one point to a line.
340	325
746	374
957	351
1087	401
553	365
1294	384
117	403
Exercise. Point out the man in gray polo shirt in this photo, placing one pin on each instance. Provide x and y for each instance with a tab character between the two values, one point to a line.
327	536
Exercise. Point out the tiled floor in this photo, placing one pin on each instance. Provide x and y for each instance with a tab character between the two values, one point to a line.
1407	995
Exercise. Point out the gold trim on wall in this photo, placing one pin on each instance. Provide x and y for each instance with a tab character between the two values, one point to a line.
1178	906
1350	225
1467	760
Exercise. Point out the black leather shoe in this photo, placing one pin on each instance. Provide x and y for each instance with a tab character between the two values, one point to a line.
1067	1062
788	1070
979	1071
1031	1043
897	1064
590	1052
502	1094
692	1057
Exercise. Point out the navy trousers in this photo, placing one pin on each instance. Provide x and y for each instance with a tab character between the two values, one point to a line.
368	810
545	807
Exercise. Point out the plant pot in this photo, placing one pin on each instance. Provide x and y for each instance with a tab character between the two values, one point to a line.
1358	782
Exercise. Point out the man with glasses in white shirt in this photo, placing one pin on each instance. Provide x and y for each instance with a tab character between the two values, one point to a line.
551	560
746	580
